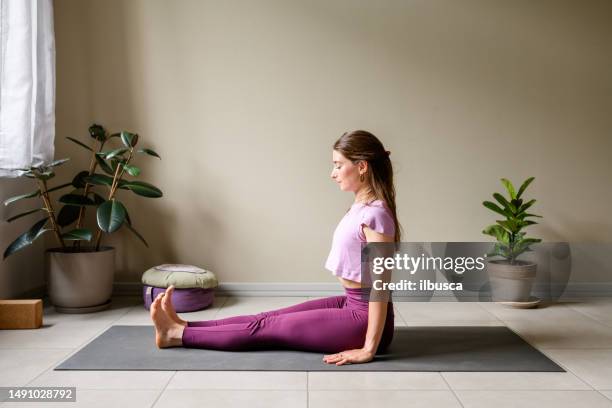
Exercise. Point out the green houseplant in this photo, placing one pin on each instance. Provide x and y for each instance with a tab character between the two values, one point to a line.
511	279
80	277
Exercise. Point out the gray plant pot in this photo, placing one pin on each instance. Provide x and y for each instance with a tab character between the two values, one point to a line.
80	282
511	283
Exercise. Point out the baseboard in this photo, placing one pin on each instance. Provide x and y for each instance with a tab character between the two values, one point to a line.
249	289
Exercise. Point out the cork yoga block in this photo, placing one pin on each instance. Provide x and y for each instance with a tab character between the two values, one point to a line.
21	314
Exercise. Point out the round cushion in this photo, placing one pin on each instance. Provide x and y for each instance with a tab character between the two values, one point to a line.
181	276
194	287
183	300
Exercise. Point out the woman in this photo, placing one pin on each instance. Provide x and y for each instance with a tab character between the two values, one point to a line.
349	326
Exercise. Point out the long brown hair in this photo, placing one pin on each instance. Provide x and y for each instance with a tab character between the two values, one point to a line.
362	145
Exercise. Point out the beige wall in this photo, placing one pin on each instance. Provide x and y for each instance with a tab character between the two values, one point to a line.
243	100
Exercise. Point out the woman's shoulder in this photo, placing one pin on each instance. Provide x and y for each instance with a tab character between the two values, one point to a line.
376	206
377	216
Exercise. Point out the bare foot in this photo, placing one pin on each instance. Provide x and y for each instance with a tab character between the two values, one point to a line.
168	333
169	307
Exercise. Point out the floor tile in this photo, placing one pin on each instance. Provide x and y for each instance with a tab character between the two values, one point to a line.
592	366
596	308
513	381
560	312
232	399
65	334
19	366
136	380
228	380
551	333
364	380
532	399
383	398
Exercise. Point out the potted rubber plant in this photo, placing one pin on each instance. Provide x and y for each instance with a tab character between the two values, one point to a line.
511	278
80	270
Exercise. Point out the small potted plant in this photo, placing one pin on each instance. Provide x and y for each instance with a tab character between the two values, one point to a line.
511	279
80	277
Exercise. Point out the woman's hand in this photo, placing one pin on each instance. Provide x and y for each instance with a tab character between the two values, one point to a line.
350	356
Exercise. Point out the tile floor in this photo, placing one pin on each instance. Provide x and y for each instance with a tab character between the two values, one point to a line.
576	335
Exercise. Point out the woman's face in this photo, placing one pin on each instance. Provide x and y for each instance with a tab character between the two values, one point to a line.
345	173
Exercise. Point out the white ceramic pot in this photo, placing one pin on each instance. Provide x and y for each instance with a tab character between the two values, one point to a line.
80	282
511	283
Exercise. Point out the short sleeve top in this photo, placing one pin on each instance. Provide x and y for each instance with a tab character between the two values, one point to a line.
344	259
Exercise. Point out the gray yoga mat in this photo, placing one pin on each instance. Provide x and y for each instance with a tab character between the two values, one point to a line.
424	348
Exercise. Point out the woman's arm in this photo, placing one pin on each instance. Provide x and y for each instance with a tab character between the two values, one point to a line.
377	315
377	311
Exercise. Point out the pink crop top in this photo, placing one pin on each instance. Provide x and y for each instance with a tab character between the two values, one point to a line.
344	259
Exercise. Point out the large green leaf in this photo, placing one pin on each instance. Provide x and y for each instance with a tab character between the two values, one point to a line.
525	206
129	139
57	162
502	200
79	234
509	187
110	215
21	197
524	186
67	215
132	170
143	189
14	217
99	179
58	187
510	224
79	143
525	215
26	238
75	199
103	164
149	152
116	152
116	161
496	208
498	233
523	246
79	180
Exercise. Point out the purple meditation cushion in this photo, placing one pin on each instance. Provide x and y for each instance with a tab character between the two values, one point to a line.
184	300
194	287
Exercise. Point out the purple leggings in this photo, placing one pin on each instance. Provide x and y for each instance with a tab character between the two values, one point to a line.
327	325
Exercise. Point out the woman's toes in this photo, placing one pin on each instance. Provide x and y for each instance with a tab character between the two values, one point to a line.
169	307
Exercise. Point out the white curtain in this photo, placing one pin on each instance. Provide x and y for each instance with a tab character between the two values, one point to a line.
27	85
